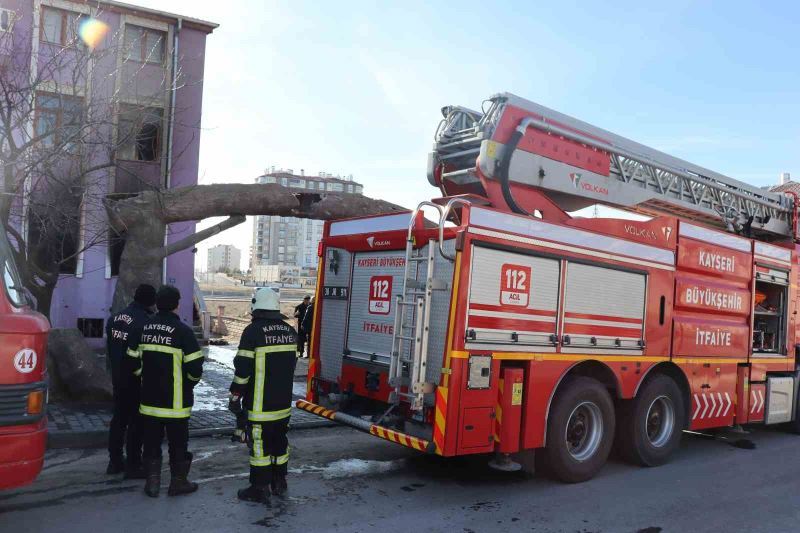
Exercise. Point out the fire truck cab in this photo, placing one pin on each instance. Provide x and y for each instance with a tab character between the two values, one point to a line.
507	326
23	379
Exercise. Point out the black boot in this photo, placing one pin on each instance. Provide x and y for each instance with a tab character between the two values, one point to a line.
254	493
278	484
152	469
179	484
116	465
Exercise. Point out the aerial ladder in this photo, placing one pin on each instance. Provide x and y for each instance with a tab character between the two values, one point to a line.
526	157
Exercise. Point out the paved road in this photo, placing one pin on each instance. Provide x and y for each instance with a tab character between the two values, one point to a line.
342	480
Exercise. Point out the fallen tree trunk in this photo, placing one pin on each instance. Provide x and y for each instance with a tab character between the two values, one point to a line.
144	219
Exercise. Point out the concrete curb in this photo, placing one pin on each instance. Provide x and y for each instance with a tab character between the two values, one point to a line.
99	439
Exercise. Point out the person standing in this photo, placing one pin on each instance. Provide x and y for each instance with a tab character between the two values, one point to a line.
299	314
262	385
307	324
125	428
169	360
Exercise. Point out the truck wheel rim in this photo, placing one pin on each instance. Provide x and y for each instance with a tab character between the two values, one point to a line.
584	431
660	421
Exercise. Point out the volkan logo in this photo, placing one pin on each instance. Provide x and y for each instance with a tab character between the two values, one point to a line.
640	232
667	231
373	243
579	183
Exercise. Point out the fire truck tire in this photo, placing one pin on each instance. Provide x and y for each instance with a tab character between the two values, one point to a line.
580	431
649	427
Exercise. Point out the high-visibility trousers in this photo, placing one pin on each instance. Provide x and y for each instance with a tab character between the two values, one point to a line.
269	450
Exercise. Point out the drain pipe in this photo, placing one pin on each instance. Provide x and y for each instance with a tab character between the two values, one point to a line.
173	90
171	129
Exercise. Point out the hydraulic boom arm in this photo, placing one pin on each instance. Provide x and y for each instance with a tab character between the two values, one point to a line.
516	147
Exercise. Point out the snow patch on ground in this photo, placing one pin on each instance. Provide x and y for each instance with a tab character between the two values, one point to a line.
351	467
222	355
207	398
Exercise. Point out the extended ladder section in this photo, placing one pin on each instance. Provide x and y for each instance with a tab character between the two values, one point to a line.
409	356
577	165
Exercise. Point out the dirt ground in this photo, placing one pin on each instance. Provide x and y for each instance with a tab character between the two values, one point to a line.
241	307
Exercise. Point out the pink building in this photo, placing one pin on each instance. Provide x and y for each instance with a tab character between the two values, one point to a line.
147	53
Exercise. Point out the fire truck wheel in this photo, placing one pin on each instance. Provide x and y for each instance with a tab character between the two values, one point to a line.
650	425
580	431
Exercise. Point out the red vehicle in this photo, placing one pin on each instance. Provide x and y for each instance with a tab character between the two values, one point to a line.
514	328
23	379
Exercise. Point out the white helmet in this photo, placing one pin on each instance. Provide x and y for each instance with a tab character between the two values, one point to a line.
266	299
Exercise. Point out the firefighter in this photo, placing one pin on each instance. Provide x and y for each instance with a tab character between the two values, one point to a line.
125	428
262	384
168	359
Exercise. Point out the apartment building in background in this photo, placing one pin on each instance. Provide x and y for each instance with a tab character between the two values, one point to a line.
224	258
288	241
126	82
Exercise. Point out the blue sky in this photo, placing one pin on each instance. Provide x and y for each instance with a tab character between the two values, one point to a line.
356	87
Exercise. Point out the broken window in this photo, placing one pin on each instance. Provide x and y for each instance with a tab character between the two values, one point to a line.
91	327
116	243
54	228
139	137
116	240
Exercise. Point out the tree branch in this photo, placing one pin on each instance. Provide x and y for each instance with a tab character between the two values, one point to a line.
191	240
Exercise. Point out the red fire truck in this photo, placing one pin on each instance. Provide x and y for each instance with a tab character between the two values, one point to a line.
509	326
23	379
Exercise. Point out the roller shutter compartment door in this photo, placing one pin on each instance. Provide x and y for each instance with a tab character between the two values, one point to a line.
513	299
603	308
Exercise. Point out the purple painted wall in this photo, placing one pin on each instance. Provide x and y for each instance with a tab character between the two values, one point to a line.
89	293
186	144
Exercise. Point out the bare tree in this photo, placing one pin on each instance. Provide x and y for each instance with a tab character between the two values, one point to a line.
66	120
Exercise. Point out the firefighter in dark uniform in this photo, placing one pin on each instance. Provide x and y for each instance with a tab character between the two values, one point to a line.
168	359
262	384
125	429
299	314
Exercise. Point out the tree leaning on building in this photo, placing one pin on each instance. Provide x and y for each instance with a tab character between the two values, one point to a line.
75	138
144	218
